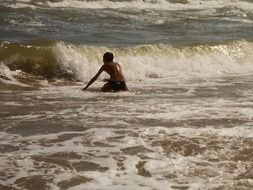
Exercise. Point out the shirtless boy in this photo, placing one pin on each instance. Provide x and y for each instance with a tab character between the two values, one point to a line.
116	81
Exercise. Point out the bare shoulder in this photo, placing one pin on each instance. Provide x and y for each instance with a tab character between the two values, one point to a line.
117	64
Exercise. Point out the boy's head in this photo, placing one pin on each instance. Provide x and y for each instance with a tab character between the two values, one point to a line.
108	57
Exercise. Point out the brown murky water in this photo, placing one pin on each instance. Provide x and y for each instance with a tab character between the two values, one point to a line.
196	136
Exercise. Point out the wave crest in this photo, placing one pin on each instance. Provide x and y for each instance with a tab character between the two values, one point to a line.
80	62
159	60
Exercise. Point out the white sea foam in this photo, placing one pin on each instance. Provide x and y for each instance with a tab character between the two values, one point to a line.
29	22
7	76
159	61
5	72
159	4
157	163
22	4
136	4
110	4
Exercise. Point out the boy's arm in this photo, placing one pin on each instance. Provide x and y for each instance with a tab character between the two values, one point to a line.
94	78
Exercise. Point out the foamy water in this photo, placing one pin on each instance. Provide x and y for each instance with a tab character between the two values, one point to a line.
149	4
185	124
178	133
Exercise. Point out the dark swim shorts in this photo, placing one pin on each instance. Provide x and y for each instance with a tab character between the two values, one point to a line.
117	85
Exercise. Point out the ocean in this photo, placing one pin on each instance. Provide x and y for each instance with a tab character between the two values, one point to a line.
186	122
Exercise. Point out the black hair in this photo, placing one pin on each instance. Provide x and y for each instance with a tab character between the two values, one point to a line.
108	56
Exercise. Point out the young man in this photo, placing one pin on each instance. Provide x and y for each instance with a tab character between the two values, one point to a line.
116	81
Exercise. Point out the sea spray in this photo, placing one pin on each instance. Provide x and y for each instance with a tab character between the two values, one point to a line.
142	62
156	61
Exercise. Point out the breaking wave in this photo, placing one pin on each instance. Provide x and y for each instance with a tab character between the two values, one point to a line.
51	59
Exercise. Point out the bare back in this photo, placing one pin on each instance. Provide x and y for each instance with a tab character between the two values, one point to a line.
114	70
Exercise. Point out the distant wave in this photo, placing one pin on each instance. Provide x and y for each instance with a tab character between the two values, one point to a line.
52	59
136	4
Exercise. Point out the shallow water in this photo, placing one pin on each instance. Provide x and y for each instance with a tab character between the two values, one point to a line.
185	124
187	133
